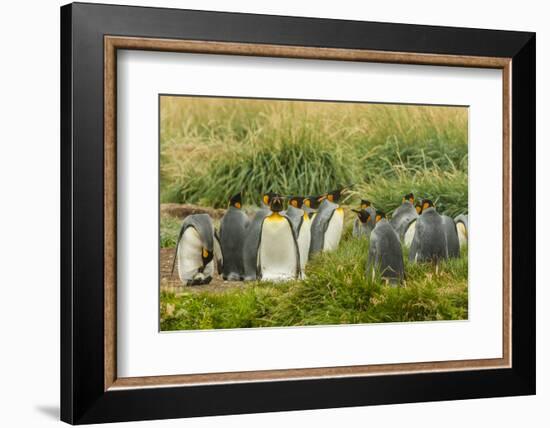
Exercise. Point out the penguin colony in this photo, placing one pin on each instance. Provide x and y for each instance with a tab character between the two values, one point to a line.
276	243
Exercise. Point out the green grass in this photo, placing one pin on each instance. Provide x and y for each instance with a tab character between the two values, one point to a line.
336	291
212	148
169	231
447	189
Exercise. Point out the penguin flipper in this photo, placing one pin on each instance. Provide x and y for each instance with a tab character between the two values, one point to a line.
258	253
415	245
372	258
296	248
218	255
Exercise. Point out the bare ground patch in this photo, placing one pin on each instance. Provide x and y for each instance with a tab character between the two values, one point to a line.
183	210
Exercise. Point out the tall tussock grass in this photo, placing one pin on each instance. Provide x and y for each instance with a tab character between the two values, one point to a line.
212	147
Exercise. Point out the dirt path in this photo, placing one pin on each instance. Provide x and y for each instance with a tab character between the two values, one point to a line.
173	284
183	210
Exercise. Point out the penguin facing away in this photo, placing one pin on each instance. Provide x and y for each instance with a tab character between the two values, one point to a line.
385	252
195	250
364	224
451	235
278	253
461	222
232	234
430	240
404	215
252	238
327	225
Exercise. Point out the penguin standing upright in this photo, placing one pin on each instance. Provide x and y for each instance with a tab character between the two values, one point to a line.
364	224
195	250
327	225
252	238
451	235
278	253
461	222
404	215
385	252
430	241
232	232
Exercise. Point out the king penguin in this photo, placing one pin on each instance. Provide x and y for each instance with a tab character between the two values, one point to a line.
364	224
195	250
327	225
385	252
404	215
232	232
461	222
252	238
451	235
278	253
430	241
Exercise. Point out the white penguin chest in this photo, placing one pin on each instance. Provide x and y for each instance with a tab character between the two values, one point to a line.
334	230
277	255
304	240
462	234
409	234
189	254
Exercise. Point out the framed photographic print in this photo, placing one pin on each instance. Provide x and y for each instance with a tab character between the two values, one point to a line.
265	213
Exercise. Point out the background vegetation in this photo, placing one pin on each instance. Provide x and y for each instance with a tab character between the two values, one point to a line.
212	148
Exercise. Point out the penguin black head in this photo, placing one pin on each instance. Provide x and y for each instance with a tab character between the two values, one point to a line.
365	203
409	198
276	204
236	201
362	214
313	201
427	203
207	256
418	207
379	215
334	196
266	198
296	201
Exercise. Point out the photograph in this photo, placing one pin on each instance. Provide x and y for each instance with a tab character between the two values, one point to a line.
287	213
269	211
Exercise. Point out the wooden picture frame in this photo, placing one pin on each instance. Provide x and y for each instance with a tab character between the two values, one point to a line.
91	390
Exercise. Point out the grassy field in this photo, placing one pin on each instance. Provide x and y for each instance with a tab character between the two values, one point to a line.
212	148
336	291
